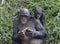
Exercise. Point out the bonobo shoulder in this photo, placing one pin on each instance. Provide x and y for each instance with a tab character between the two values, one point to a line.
16	21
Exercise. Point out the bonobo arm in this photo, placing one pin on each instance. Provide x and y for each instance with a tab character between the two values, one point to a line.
39	34
43	19
15	35
40	31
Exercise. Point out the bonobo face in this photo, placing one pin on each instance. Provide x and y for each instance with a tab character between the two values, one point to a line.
24	15
24	19
39	11
38	15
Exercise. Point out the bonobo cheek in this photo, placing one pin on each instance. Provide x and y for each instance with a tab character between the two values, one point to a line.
24	20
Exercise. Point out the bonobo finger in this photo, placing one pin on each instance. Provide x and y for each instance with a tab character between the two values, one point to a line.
28	30
21	35
29	34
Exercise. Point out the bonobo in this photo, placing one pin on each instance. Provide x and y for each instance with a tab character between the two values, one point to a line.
27	30
39	13
40	17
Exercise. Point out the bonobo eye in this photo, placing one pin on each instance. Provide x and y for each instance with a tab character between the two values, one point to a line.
23	16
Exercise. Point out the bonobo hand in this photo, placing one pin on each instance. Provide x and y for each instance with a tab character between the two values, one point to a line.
28	32
21	35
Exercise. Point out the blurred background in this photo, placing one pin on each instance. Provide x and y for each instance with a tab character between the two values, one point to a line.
8	9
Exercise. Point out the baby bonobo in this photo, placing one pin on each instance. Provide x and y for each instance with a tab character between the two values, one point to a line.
39	14
27	30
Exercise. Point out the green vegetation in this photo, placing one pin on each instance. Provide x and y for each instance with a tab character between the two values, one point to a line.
8	10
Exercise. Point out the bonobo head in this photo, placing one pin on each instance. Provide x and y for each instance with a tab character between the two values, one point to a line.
24	15
38	12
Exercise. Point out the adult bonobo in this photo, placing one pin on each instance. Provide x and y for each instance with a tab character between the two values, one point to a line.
39	13
27	30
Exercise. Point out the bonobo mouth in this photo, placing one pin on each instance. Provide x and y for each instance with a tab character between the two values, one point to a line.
24	20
